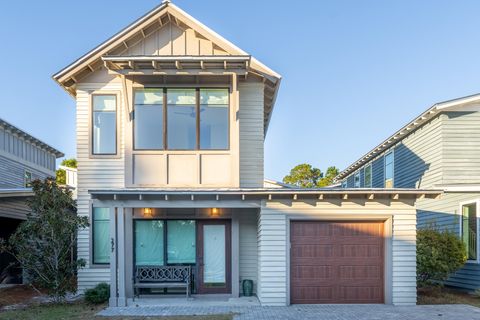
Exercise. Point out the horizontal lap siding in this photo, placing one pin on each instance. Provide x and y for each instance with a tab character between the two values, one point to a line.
461	150
248	247
378	173
418	157
92	174
251	134
12	173
14	208
444	214
273	234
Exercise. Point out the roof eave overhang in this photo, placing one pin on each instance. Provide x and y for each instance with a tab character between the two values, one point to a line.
404	132
264	194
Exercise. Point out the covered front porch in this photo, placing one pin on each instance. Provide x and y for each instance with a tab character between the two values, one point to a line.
175	252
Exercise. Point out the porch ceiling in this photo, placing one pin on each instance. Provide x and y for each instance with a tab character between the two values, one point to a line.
262	194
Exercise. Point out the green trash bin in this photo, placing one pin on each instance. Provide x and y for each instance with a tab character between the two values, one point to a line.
247	287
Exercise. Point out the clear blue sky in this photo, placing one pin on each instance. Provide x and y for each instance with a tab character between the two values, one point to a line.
353	71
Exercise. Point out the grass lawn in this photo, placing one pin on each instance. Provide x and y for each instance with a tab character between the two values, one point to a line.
82	311
446	296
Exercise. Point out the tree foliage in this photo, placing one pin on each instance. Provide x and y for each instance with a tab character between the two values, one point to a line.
306	176
439	253
61	174
44	244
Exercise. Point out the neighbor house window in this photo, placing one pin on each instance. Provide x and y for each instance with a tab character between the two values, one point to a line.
368	176
101	235
104	135
148	119
214	118
181	119
469	229
389	170
356	180
28	179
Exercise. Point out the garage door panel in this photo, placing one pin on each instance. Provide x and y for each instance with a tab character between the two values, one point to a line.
336	262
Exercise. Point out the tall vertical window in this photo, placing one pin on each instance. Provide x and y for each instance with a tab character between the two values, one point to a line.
356	180
469	229
389	170
101	235
214	119
104	122
182	119
368	176
148	119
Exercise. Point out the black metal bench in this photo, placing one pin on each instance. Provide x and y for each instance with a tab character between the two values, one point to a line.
162	277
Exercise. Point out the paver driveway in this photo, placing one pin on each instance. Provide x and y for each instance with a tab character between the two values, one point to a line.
307	312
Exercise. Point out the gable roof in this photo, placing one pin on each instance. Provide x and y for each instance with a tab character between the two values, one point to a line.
458	104
26	136
164	13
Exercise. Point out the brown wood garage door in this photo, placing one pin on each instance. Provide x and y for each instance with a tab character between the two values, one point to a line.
336	262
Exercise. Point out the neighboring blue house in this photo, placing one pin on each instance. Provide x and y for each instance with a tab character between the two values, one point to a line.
438	149
23	158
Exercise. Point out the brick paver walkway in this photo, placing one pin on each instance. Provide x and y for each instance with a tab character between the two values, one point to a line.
308	312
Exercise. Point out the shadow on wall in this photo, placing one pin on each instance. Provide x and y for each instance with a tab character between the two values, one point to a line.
409	168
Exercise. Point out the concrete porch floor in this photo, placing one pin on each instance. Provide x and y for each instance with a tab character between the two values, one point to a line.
210	300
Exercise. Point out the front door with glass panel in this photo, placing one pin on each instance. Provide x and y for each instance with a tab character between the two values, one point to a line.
214	256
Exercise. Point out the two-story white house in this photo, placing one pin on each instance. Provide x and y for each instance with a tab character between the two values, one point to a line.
171	121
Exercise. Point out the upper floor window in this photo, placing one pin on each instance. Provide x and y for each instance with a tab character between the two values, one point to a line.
104	135
149	114
356	179
389	170
181	119
344	183
214	119
368	176
469	229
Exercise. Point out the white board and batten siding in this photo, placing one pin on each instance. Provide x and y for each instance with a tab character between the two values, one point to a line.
273	245
95	173
251	134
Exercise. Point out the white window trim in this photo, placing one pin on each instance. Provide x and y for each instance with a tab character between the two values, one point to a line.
371	175
460	224
384	168
355	179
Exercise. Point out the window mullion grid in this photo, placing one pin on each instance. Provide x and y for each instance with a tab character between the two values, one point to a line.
165	147
197	107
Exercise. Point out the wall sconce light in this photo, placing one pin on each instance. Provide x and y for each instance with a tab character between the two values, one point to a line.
147	212
214	212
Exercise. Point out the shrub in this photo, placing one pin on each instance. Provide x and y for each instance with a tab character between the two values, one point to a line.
44	244
439	253
99	294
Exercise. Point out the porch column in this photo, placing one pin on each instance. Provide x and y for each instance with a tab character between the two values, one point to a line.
122	301
113	259
235	256
129	253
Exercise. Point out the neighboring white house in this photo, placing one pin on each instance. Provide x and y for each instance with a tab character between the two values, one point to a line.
171	121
